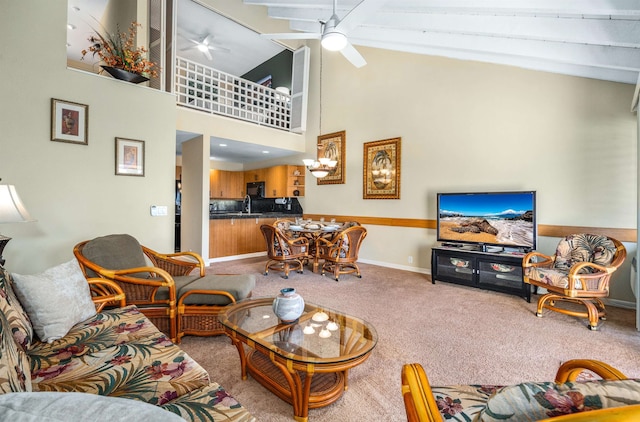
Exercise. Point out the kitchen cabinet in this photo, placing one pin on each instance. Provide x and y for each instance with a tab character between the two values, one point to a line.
276	182
226	184
236	236
257	175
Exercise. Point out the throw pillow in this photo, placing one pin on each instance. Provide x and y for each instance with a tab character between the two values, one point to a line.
55	300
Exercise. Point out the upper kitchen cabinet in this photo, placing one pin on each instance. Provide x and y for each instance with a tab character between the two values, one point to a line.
258	175
226	184
276	182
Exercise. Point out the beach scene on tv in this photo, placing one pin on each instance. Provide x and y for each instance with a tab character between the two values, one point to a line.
499	219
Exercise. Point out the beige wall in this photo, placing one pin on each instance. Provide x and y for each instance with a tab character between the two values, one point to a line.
71	189
470	126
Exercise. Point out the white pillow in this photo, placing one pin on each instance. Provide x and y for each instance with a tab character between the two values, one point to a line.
55	300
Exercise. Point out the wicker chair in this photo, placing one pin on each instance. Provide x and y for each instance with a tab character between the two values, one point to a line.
284	253
579	273
341	252
176	301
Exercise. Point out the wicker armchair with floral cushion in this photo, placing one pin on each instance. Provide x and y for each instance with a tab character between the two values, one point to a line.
341	252
285	254
606	396
173	292
578	273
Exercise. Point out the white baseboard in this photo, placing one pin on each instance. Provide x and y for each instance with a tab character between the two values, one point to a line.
397	267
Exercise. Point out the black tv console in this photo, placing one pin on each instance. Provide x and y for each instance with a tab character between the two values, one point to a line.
474	266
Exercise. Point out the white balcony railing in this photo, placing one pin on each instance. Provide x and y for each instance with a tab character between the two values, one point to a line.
207	89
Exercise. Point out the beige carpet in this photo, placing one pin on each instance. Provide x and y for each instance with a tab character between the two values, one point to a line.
459	334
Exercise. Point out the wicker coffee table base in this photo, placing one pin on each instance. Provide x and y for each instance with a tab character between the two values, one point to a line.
325	388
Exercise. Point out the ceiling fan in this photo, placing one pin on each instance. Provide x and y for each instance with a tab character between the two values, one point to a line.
204	44
333	33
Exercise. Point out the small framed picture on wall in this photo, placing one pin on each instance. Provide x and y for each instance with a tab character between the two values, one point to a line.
69	122
129	157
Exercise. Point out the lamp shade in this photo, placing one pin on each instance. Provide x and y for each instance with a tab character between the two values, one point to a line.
12	210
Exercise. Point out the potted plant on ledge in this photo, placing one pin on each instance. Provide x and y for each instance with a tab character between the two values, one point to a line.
121	59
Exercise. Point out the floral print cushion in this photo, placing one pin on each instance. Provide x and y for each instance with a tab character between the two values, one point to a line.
551	276
462	402
534	401
114	326
199	404
15	375
584	248
153	370
15	314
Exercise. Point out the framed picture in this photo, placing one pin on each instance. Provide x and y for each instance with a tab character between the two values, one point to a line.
381	175
129	157
332	146
69	122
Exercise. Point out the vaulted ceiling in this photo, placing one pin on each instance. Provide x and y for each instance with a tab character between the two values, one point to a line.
597	39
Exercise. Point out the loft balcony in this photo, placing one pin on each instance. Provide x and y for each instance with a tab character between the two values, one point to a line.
212	91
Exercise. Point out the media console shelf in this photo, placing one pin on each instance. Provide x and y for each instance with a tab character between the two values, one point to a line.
472	266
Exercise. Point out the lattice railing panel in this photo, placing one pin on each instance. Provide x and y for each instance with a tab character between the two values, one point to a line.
207	89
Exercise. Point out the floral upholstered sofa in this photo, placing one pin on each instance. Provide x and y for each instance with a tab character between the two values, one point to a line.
113	354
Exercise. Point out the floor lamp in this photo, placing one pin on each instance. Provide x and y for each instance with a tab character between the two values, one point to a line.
12	210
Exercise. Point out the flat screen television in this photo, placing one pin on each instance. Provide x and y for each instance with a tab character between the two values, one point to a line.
506	219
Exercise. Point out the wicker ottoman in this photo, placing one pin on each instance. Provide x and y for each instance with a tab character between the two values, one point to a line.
201	301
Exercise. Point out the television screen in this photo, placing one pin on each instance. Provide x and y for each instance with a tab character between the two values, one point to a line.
490	218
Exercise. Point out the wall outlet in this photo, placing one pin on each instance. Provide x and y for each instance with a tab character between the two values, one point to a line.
410	259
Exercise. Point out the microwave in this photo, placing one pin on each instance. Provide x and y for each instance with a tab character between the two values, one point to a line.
255	189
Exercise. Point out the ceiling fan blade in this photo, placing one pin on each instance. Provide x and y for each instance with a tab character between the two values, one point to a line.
359	14
207	39
292	36
218	48
351	54
207	53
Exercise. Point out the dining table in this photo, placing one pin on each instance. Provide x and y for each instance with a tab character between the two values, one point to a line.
313	230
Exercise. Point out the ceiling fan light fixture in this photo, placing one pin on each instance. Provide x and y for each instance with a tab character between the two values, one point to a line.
333	40
202	47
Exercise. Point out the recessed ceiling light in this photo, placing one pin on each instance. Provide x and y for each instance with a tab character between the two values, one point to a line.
68	45
223	145
75	8
265	152
71	26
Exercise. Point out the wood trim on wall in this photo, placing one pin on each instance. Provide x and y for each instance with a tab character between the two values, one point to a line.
623	235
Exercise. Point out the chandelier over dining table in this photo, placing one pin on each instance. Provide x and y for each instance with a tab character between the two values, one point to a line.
321	167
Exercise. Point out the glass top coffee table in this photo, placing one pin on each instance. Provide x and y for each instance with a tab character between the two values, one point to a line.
304	363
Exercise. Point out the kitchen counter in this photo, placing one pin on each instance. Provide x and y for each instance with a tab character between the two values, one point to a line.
221	215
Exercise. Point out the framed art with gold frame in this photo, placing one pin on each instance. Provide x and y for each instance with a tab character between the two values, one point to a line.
69	122
381	169
332	146
129	157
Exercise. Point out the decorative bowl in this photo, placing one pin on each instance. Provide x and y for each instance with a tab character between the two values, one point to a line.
501	268
460	263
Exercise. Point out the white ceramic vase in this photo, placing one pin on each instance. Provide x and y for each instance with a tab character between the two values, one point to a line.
288	305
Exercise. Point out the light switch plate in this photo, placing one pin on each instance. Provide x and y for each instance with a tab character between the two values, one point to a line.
158	210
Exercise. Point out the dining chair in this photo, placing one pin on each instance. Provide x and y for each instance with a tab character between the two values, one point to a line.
341	252
285	253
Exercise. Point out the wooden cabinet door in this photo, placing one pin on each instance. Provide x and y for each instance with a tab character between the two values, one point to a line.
222	237
237	186
257	175
226	184
215	190
276	182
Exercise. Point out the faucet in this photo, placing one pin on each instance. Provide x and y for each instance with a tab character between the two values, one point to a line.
246	204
